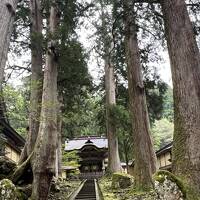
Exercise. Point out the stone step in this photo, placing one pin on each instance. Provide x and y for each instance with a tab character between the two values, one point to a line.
87	192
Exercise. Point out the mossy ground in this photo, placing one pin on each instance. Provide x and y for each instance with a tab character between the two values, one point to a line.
106	188
111	189
111	192
8	191
63	190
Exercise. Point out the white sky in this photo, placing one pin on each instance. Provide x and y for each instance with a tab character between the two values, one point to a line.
94	69
84	32
163	70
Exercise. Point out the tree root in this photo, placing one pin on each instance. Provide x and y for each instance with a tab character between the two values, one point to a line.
20	171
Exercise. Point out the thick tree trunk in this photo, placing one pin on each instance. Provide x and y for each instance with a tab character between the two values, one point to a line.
114	164
36	77
7	16
45	149
144	155
36	73
185	67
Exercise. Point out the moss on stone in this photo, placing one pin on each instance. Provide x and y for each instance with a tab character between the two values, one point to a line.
188	192
167	185
162	174
62	189
121	180
8	190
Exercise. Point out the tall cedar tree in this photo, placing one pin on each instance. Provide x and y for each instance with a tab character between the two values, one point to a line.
185	67
144	155
36	77
114	164
7	17
45	149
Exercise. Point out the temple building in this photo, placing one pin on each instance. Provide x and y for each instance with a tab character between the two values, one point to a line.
93	153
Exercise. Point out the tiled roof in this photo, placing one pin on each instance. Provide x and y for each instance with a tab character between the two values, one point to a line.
11	136
78	143
166	148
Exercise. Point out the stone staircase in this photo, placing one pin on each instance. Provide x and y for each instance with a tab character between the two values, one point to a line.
87	192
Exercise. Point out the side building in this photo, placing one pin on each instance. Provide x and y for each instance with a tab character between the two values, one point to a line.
164	157
11	143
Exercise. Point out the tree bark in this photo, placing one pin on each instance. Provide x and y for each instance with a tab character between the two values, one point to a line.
114	164
7	16
60	147
45	149
185	67
59	144
36	77
144	155
36	73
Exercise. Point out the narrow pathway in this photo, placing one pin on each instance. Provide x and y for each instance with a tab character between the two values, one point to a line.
87	192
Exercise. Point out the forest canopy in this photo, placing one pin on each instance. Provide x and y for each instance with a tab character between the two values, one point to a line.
126	70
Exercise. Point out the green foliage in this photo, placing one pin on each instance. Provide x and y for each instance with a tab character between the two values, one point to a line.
70	158
163	129
20	40
82	118
162	132
16	108
168	110
73	77
155	94
74	81
121	117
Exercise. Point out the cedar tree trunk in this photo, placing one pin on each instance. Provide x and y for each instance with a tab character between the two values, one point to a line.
45	149
185	67
7	16
114	164
36	77
144	155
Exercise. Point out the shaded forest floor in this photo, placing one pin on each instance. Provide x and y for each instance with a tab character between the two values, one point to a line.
61	189
119	188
